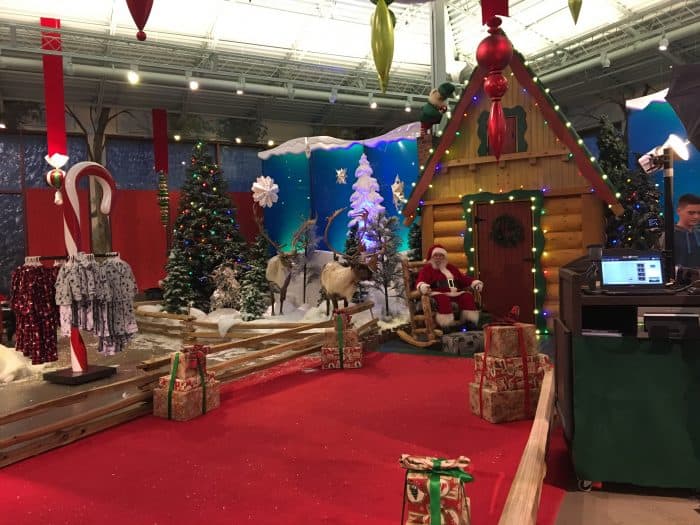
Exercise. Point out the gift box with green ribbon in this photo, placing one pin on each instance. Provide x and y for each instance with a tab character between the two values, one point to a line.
342	348
434	491
182	405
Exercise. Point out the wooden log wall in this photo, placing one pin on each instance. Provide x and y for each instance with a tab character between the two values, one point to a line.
443	223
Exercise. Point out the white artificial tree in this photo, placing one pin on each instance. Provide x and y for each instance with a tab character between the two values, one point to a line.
365	201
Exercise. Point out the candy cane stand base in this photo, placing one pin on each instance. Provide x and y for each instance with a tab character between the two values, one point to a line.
68	377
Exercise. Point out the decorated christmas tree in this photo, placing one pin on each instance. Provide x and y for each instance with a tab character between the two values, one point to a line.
388	277
365	201
640	225
205	233
255	291
178	295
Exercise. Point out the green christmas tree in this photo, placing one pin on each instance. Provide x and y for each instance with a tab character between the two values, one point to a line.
206	233
640	225
255	290
177	288
415	242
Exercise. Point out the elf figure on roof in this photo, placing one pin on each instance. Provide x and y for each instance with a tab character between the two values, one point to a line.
435	107
446	284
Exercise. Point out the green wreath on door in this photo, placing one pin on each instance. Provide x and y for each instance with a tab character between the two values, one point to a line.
507	231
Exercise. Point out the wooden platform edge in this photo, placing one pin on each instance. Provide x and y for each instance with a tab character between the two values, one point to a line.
523	499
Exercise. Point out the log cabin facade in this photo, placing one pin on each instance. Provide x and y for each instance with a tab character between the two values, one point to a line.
512	222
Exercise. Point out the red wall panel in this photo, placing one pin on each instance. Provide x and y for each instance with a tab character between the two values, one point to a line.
138	235
44	221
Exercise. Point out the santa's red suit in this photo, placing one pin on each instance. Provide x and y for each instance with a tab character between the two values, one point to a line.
446	284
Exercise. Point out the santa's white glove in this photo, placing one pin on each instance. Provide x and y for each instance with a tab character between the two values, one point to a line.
424	288
477	285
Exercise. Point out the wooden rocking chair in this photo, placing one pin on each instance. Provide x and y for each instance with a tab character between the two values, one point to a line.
424	330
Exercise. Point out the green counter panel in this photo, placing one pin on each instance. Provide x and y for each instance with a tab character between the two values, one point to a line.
636	411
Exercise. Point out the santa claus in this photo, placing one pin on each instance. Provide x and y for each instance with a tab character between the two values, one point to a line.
446	284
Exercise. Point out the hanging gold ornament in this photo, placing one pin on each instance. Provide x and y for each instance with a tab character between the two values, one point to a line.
575	8
382	42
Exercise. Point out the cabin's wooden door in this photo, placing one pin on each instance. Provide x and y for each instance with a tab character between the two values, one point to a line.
506	270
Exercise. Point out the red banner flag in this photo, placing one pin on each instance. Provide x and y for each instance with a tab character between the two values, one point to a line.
53	88
491	8
160	139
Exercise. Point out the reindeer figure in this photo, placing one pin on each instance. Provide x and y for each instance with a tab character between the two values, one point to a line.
284	265
339	281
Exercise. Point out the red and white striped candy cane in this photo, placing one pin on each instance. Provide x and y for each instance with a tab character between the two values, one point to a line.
72	234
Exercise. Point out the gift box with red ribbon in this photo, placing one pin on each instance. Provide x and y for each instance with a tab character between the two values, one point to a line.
501	339
503	406
434	491
507	373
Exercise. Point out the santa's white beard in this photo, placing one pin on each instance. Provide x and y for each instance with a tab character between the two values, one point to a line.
442	265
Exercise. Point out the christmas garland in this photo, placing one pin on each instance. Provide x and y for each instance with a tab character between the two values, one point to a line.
507	231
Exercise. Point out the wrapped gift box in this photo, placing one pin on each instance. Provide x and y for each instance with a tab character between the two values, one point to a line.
502	340
463	343
506	373
350	337
499	407
182	385
352	357
370	342
453	504
186	404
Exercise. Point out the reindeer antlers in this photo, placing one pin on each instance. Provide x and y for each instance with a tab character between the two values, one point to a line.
306	225
328	226
263	232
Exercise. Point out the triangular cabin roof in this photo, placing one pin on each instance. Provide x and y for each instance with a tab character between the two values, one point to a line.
558	123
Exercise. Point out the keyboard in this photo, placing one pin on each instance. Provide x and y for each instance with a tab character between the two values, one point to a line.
643	291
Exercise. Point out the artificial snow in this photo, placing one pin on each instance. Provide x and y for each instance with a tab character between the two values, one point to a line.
14	366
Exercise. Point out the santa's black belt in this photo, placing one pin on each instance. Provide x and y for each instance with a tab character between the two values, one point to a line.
447	283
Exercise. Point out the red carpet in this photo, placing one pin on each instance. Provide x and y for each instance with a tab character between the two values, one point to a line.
293	446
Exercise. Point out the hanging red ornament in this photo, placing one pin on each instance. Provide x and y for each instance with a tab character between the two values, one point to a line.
494	54
140	10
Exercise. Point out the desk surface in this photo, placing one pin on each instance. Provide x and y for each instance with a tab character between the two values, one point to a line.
679	299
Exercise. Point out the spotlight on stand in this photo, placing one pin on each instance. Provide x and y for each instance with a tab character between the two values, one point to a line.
659	158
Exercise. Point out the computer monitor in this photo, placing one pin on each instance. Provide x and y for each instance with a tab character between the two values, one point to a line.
631	270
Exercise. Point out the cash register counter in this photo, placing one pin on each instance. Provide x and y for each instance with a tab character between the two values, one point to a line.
630	406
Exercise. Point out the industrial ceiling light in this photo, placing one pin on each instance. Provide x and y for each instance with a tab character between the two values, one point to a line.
372	103
133	75
241	85
333	97
604	60
239	140
177	137
409	102
290	90
663	43
270	142
194	85
68	65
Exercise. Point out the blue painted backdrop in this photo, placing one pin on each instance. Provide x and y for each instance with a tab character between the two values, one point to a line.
649	128
308	187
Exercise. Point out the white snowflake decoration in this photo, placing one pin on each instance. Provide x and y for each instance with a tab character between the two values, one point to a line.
340	176
265	191
398	194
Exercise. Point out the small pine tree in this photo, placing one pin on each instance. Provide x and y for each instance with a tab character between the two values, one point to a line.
177	289
639	226
206	233
415	242
353	255
255	290
388	277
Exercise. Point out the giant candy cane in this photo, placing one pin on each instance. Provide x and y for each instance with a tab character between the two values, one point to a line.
72	234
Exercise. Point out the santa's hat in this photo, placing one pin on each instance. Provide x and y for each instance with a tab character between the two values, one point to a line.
436	248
